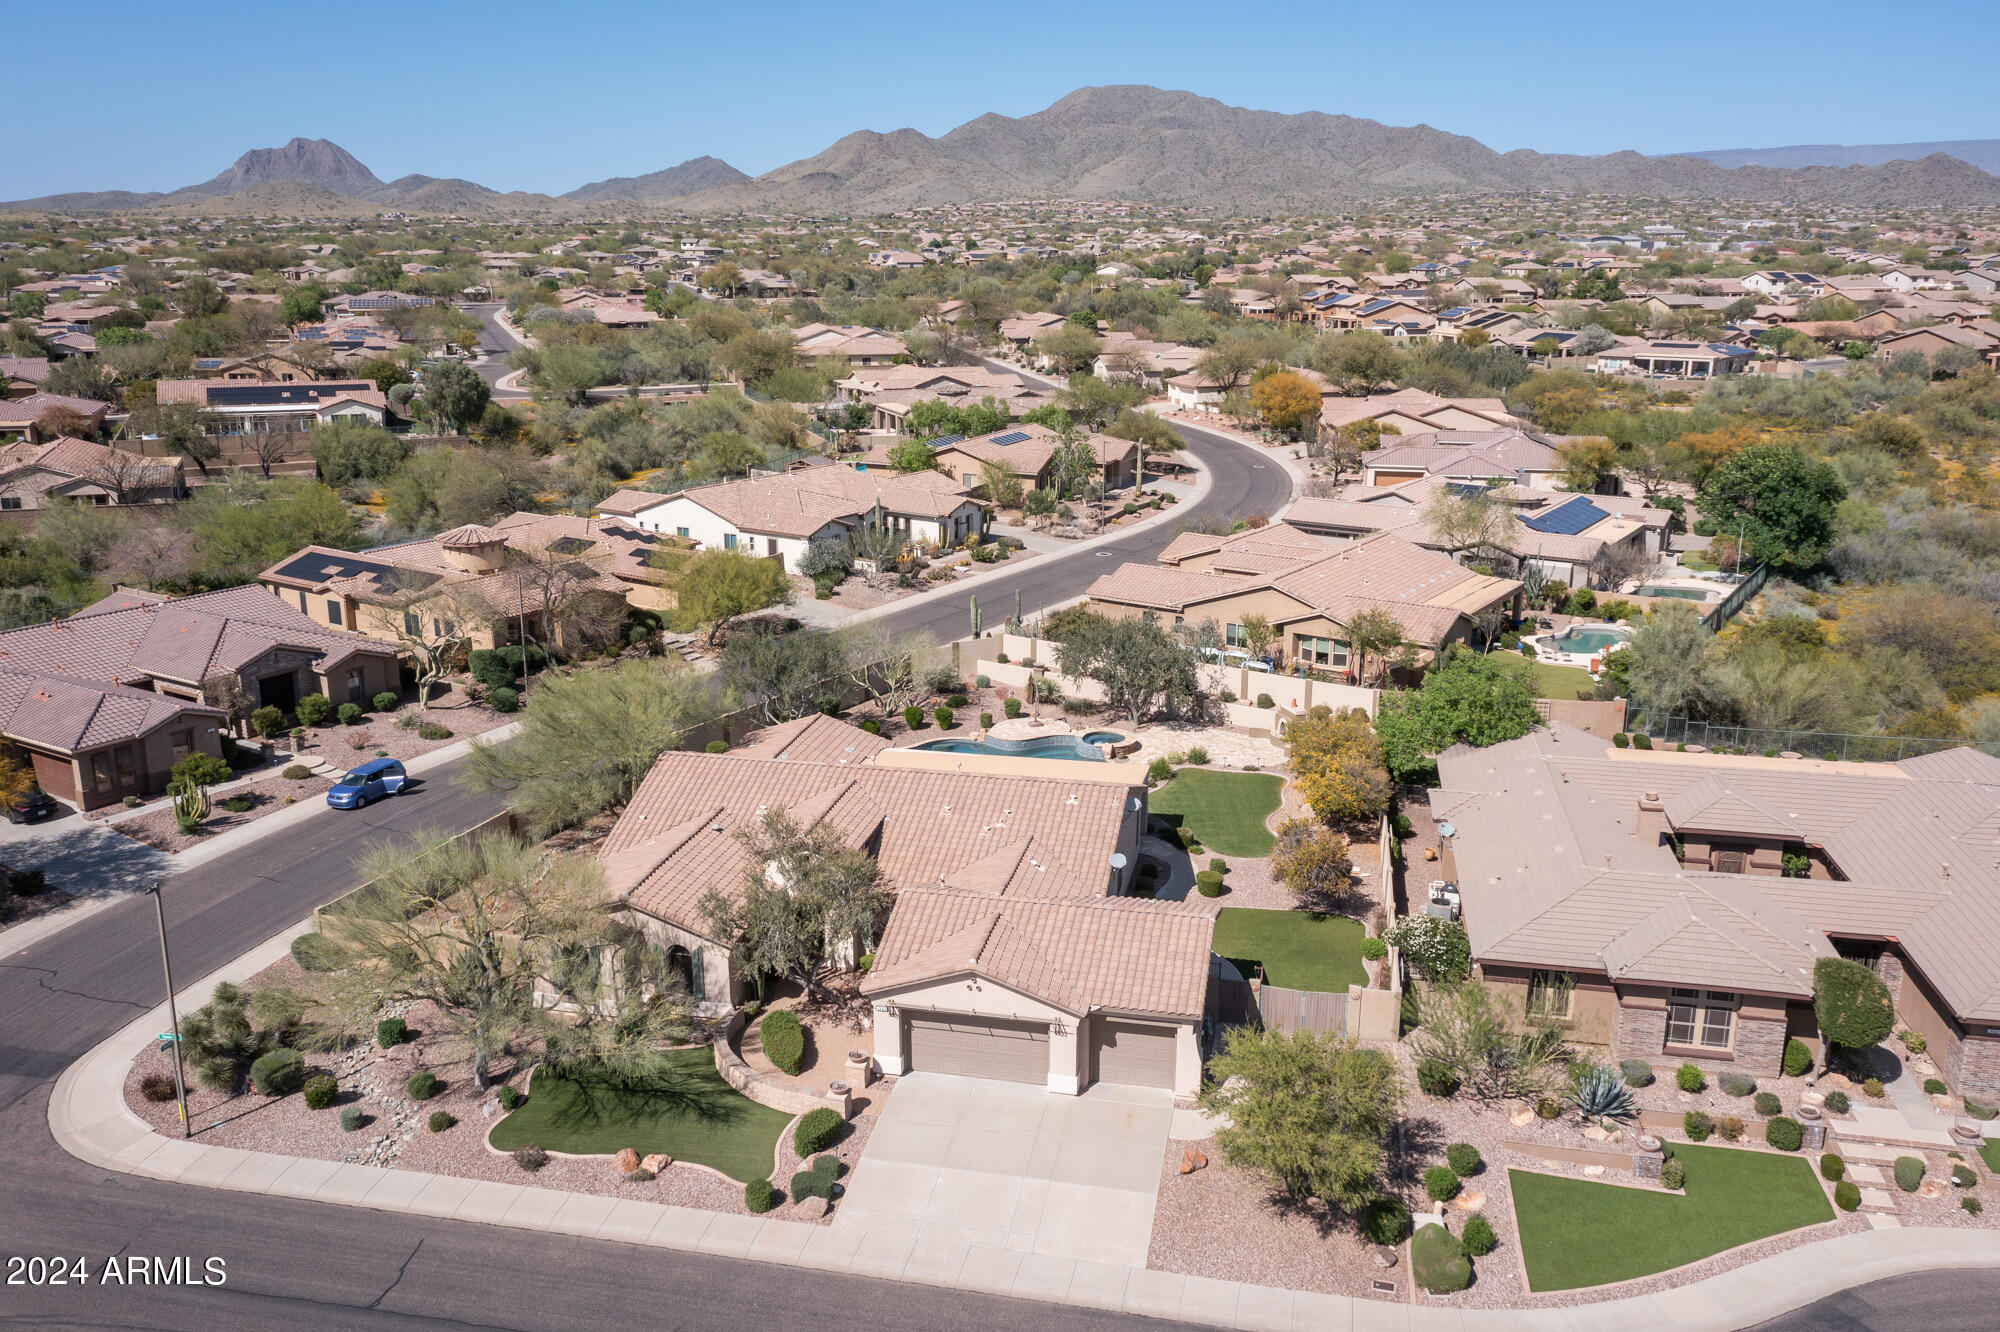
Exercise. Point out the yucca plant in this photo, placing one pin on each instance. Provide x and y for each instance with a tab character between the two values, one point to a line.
1601	1094
191	803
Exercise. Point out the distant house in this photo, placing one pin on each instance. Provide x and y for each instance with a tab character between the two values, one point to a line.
43	416
1027	451
1674	360
1936	339
1022	329
1772	282
34	476
853	344
1513	456
1413	411
892	390
276	407
779	517
22	375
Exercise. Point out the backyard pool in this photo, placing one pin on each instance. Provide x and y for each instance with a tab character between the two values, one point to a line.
1082	747
1586	639
1684	593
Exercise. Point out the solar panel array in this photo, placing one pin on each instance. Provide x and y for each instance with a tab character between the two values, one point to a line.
1579	515
318	566
1011	437
943	440
261	395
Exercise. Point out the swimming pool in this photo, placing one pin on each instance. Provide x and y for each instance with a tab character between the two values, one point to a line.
1083	747
1584	639
1684	593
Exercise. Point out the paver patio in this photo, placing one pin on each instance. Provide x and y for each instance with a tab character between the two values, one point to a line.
967	1161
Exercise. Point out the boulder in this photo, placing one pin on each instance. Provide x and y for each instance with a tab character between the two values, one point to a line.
812	1209
657	1162
1523	1117
1596	1133
1593	1170
1384	1256
1470	1201
627	1160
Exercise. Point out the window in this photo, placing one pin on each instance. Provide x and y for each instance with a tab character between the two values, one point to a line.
681	532
122	758
100	500
100	770
729	541
183	744
1232	635
10	501
1550	994
332	611
413	623
1323	652
1701	1018
354	685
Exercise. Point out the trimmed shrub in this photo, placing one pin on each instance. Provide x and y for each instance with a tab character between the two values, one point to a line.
238	804
1549	1108
913	717
320	1091
504	699
433	731
530	1157
1437	1078
296	772
1374	949
313	709
640	1176
816	1181
1438	1262
351	1118
1962	1175
1673	1175
1637	1072
985	721
1385	1221
1689	1078
1784	1133
1478	1239
440	1120
1219	865
1847	1195
1914	1041
1640	740
1208	883
313	951
385	701
278	1073
202	769
268	721
1836	1102
943	717
1972	1206
784	1040
1798	1058
1620	740
816	1131
1463	1158
1011	706
957	701
1935	1087
1198	756
1441	1183
391	1032
1697	1126
1909	1173
1873	1089
1831	1168
1736	1084
1730	1127
511	1098
872	726
716	747
157	1087
423	1085
350	714
759	1197
1768	1104
490	668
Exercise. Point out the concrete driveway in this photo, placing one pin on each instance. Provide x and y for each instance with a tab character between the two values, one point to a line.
967	1161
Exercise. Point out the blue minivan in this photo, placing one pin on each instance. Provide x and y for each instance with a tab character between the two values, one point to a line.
369	782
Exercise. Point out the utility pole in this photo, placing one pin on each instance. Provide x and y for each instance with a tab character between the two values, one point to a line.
173	1011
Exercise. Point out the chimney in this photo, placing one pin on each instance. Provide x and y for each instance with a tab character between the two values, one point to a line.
1652	819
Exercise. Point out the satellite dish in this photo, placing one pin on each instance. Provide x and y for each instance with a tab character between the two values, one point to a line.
1117	860
1446	830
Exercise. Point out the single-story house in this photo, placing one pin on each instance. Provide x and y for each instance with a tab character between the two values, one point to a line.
1671	907
854	344
40	416
34	476
1415	412
1028	451
1674	360
1513	455
892	390
277	407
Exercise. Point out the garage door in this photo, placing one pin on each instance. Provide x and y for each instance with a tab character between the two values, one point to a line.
1132	1053
980	1048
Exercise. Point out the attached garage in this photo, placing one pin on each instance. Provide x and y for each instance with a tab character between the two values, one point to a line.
1134	1053
979	1047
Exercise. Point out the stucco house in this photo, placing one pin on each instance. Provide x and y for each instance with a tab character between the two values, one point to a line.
34	476
1010	950
1670	907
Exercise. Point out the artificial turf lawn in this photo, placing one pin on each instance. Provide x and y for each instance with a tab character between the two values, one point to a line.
1546	678
1226	809
1989	1152
1299	950
686	1111
1576	1233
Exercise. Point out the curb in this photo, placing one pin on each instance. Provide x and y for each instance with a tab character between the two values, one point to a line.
89	1119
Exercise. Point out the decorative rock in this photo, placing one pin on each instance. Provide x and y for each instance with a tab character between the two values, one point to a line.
1812	1098
657	1162
1522	1118
1470	1201
627	1160
1384	1255
812	1209
1945	1104
1931	1188
1596	1134
1593	1170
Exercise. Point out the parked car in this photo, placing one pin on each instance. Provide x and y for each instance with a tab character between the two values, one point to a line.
370	782
31	805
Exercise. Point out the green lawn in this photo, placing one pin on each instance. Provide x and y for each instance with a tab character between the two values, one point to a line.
1299	950
686	1111
1226	809
1989	1152
1577	1233
1547	679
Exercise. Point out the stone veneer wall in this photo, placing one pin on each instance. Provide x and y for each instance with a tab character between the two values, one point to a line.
1641	1033
763	1088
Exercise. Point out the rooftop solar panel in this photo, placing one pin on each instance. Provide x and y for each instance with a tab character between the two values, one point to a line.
317	566
1012	437
943	440
1578	515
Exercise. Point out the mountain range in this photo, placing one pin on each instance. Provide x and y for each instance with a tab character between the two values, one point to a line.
1129	142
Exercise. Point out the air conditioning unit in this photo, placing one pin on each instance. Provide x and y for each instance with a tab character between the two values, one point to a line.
1443	901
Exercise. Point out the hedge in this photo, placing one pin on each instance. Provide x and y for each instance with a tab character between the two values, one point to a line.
784	1041
759	1197
1847	1195
1909	1173
816	1131
1783	1133
1438	1261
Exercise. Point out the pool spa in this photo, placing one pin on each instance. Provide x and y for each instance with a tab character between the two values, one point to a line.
1079	747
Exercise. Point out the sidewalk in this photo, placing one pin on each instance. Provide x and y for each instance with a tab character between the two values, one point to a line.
1287	456
89	1118
131	865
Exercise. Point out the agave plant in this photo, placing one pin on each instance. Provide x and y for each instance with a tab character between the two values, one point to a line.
191	803
1601	1094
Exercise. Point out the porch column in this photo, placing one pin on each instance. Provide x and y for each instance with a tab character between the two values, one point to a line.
1065	1055
889	1052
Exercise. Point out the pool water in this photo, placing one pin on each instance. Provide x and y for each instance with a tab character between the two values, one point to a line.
1579	639
1081	747
1684	593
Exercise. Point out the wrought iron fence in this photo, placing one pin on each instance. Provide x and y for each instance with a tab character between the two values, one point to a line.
1739	597
1808	744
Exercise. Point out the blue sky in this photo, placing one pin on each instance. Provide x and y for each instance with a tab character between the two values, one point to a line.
548	96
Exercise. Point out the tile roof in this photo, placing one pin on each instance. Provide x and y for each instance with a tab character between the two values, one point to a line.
816	738
928	827
68	456
802	503
1121	954
1551	872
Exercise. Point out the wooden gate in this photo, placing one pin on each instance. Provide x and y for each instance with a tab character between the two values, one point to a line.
1302	1010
